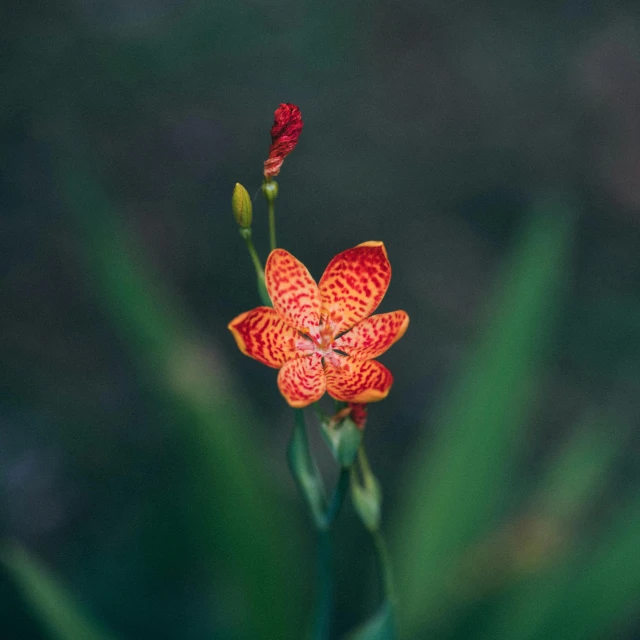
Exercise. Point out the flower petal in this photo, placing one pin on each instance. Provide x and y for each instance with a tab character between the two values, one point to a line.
353	284
293	291
373	336
359	381
302	381
262	334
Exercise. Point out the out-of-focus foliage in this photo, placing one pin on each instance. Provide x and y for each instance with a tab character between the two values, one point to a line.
459	483
58	613
142	458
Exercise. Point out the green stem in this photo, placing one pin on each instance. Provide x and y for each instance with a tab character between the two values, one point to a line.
385	566
337	500
257	265
369	511
305	471
325	595
365	467
325	588
272	223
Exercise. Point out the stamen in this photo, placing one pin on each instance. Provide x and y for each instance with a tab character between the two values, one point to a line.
304	343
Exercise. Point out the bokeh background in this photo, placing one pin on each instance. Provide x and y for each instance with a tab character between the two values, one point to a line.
494	147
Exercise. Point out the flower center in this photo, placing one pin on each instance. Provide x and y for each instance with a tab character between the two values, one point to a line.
320	341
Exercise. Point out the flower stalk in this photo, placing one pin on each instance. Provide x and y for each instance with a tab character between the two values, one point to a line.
257	265
324	514
323	338
270	191
367	501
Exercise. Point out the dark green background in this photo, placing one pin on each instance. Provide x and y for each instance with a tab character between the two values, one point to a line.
430	126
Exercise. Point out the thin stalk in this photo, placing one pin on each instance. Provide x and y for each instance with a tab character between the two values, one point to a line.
257	265
272	223
304	469
325	588
337	500
385	566
371	519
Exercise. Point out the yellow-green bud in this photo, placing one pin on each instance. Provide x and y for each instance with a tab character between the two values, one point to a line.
241	206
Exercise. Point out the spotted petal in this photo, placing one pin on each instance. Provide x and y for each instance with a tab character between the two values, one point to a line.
293	292
302	381
359	381
373	336
262	334
354	283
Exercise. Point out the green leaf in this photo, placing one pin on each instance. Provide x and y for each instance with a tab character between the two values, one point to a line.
231	503
582	597
305	471
583	594
456	484
605	587
53	605
380	627
577	473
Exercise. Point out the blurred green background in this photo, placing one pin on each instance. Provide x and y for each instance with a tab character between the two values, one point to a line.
494	147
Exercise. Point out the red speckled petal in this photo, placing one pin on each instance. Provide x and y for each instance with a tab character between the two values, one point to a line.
353	284
302	381
293	291
262	334
359	381
373	336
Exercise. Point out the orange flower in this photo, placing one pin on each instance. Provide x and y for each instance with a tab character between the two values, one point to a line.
286	129
322	336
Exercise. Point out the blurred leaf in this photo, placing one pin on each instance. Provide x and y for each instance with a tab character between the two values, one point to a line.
605	586
582	597
578	472
54	606
234	516
456	483
380	627
305	471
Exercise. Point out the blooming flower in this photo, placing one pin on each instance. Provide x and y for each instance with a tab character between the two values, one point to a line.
322	336
286	129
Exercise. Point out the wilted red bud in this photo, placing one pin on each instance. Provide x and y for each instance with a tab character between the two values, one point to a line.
285	132
358	414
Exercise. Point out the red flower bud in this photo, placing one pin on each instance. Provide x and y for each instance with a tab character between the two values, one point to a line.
358	414
285	132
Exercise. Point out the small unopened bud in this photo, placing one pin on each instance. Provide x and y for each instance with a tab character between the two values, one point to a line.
343	437
241	206
270	190
343	432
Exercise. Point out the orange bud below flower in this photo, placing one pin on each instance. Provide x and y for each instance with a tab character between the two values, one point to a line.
286	129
